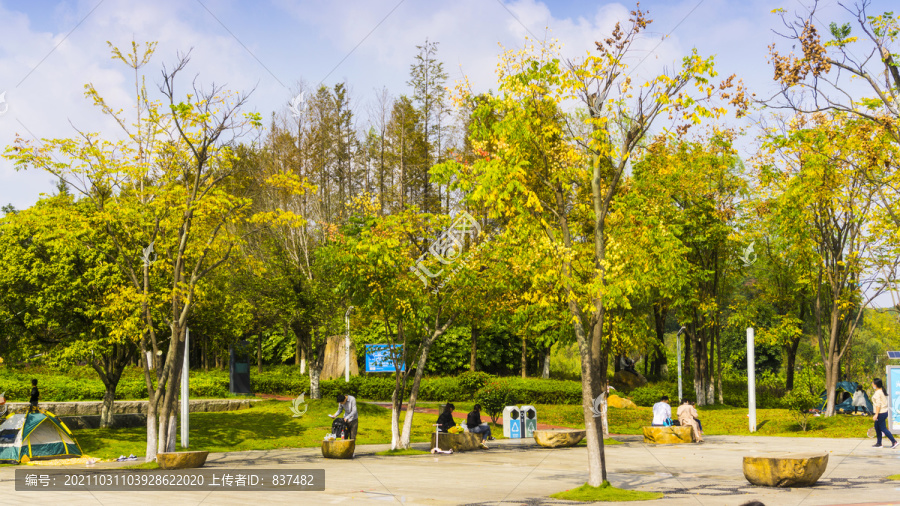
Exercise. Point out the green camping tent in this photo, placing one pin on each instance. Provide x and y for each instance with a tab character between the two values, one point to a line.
37	434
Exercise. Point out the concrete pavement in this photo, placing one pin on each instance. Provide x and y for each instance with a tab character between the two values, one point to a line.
518	472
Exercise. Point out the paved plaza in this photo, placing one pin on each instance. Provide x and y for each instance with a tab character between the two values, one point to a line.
516	472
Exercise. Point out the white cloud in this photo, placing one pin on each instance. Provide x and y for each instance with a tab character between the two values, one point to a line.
305	39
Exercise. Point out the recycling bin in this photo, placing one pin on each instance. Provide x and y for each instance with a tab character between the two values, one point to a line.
528	414
512	422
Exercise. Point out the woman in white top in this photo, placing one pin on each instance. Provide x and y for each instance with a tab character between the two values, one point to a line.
880	403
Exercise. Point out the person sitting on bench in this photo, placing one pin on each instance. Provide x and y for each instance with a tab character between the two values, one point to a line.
445	420
687	417
662	412
473	422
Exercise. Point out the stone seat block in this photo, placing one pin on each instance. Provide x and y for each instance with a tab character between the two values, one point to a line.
463	442
667	435
785	469
181	460
339	449
558	438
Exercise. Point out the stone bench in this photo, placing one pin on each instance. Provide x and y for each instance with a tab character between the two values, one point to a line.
339	449
667	435
463	442
560	438
181	460
785	469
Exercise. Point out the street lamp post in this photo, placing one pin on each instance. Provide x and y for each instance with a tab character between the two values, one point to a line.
678	346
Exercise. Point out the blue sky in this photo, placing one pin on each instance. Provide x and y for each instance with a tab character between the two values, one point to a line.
49	50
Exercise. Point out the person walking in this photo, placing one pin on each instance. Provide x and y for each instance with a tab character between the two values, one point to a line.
347	405
880	403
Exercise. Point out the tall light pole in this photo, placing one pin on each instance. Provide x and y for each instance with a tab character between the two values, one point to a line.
751	378
185	390
347	346
678	353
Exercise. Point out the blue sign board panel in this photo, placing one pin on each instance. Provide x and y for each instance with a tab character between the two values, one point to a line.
379	357
894	393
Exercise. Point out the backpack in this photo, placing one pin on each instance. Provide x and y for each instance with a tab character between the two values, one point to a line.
340	429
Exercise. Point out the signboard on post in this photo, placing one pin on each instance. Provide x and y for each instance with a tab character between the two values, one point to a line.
380	357
892	381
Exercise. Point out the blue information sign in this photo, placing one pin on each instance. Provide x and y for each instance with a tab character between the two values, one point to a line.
894	393
379	357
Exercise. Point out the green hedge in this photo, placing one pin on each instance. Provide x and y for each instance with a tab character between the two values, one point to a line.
81	383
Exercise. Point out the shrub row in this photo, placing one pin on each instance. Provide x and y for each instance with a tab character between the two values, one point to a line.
769	392
76	385
82	384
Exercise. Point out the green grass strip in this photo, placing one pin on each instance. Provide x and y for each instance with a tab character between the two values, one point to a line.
605	493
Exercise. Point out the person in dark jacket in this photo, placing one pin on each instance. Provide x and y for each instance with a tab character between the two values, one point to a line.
445	420
473	422
35	395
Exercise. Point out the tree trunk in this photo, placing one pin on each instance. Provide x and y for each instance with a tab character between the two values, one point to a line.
545	373
791	352
524	358
107	420
316	362
298	353
314	383
659	353
719	366
150	454
259	354
110	368
205	353
417	380
414	394
473	352
400	378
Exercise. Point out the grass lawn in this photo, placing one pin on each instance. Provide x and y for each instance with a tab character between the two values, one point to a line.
269	425
266	426
718	420
605	493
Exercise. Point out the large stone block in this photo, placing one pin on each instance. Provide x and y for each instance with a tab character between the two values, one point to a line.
627	381
615	401
558	438
667	435
463	442
786	469
336	358
181	460
339	449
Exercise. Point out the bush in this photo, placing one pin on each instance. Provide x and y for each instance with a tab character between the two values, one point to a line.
472	381
541	391
81	383
799	401
649	394
493	397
